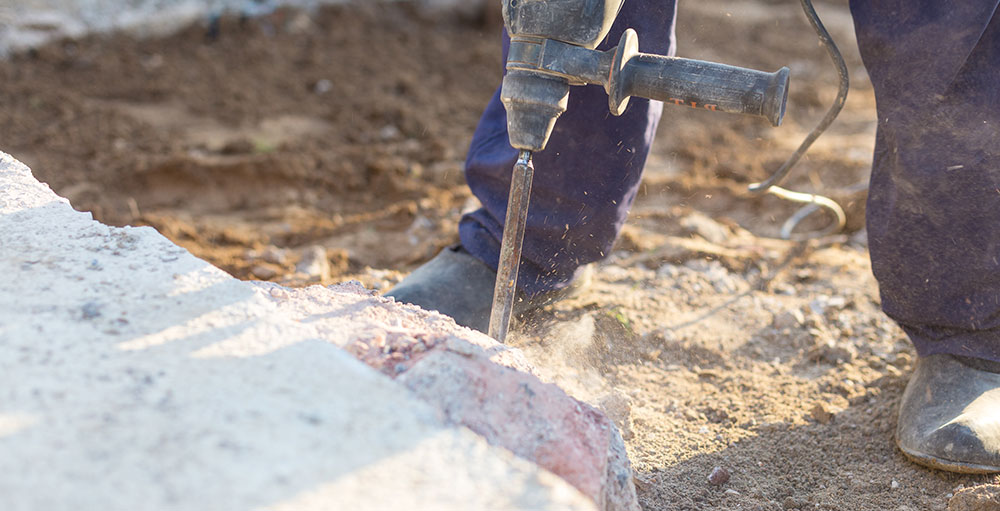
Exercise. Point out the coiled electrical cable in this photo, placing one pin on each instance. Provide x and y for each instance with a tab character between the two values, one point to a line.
813	202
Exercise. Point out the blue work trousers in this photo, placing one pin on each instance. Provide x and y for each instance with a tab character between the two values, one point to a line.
934	201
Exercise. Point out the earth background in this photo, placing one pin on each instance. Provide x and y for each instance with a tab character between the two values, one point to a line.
318	146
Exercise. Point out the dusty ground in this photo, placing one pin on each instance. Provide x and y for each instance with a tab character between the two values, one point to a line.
713	344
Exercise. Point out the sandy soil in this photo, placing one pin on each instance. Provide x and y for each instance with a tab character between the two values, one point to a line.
343	133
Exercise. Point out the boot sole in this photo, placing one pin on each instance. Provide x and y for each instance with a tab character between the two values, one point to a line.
948	465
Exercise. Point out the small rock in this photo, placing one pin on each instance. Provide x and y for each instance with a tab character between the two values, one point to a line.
818	306
670	271
314	263
789	319
805	275
984	497
710	230
791	503
717	274
894	484
710	374
832	353
263	272
274	255
730	491
822	414
719	476
784	288
824	305
389	132
322	86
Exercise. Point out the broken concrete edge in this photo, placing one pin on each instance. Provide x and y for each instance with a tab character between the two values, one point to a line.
33	23
137	376
395	339
477	383
535	420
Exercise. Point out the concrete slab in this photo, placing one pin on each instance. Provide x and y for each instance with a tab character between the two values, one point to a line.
135	376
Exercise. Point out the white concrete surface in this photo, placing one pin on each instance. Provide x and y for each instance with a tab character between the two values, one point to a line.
135	376
29	23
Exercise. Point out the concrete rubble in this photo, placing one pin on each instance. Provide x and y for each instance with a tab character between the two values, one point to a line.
135	376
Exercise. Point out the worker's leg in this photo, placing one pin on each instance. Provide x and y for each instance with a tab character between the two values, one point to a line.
584	181
934	201
934	214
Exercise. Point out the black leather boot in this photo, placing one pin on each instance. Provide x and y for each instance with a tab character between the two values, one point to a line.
949	417
457	284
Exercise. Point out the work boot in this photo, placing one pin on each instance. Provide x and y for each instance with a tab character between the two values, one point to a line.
457	284
949	417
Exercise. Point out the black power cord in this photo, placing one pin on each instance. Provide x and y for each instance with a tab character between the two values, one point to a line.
813	202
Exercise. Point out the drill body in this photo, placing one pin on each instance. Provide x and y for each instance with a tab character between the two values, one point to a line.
534	96
579	22
552	47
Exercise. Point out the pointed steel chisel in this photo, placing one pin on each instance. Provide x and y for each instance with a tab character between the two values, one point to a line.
505	290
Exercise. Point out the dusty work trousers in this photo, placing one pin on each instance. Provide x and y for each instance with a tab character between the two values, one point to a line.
934	201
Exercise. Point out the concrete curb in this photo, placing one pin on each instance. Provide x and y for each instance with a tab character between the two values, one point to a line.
135	376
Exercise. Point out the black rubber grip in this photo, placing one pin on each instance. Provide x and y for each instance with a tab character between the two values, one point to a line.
707	85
